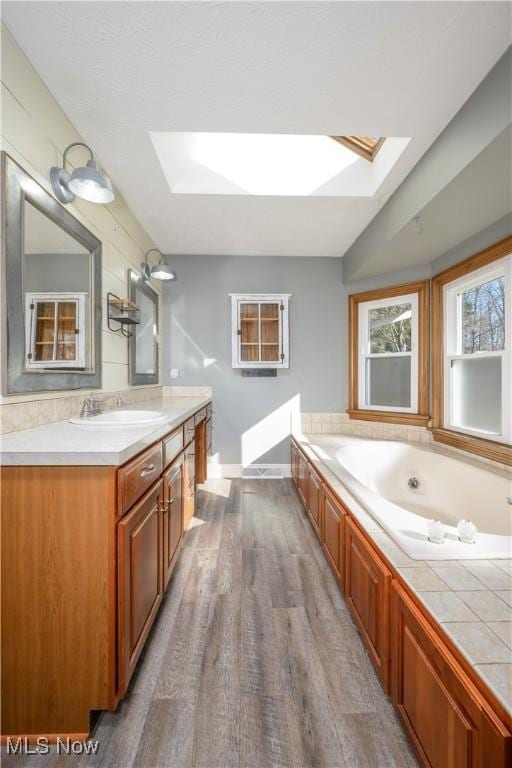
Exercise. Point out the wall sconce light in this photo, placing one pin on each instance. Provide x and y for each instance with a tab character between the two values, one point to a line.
87	182
160	271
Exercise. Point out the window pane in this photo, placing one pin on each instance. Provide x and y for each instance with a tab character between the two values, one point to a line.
483	317
476	394
249	325
388	382
390	328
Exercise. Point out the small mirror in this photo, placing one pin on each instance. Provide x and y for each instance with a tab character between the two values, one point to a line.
143	343
53	291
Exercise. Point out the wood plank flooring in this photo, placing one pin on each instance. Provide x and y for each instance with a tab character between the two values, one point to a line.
254	660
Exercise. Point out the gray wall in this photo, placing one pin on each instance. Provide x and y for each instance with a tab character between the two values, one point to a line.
197	329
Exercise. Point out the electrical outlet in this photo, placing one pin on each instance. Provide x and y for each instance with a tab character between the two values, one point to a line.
174	373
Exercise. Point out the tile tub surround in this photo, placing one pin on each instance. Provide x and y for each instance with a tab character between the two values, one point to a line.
66	444
443	588
342	424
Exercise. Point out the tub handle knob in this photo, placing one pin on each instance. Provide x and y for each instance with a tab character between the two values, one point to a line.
413	482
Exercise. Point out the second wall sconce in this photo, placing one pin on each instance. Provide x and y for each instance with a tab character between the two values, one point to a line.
160	271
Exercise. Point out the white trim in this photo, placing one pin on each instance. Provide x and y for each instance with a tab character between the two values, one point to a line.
364	353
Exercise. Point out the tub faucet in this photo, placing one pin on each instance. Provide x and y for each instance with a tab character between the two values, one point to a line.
413	482
92	405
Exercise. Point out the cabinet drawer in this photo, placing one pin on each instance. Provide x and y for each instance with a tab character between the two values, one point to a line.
200	416
173	445
137	476
190	430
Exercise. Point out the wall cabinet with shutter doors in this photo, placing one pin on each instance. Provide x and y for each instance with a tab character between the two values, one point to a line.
260	330
55	330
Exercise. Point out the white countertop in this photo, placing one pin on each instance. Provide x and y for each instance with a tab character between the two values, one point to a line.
66	444
470	599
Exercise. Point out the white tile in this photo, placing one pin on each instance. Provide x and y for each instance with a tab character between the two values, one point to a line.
455	576
488	574
422	579
499	679
447	606
487	606
503	629
477	642
506	595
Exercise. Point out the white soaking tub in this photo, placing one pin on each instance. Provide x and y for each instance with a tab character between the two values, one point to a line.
377	473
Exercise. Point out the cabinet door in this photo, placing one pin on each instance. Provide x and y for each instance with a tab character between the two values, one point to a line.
294	460
140	578
449	722
302	487
201	452
367	583
333	533
189	484
172	516
315	501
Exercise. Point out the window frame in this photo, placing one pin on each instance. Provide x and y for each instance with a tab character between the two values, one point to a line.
361	146
365	308
418	295
446	326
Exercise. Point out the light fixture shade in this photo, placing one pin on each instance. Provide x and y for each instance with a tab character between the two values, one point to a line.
163	271
91	184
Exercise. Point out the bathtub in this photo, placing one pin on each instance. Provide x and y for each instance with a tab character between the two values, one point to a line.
377	472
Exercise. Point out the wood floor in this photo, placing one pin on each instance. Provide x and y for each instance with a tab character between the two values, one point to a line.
254	660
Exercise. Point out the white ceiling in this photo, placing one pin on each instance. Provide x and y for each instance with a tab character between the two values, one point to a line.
121	70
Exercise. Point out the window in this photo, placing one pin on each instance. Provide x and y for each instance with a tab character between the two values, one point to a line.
389	354
259	330
477	359
366	146
472	353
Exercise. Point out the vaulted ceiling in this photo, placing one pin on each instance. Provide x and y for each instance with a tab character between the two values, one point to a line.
122	70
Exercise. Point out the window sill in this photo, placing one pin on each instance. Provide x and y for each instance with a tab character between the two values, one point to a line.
489	449
389	417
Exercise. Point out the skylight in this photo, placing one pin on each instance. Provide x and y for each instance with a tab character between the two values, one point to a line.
366	146
271	164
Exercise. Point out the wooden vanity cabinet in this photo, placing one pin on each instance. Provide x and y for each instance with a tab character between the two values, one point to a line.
201	452
172	511
294	463
448	720
367	592
140	587
302	479
189	480
333	533
315	500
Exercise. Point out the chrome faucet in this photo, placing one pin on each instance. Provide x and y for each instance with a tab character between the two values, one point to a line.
92	405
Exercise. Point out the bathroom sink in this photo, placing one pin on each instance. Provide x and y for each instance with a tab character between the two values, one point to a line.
122	418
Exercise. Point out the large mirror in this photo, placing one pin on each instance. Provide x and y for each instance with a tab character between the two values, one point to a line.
143	343
52	307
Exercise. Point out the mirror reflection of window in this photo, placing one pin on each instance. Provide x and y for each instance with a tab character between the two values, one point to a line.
57	279
145	335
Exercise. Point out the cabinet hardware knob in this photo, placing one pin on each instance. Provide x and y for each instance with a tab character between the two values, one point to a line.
147	470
